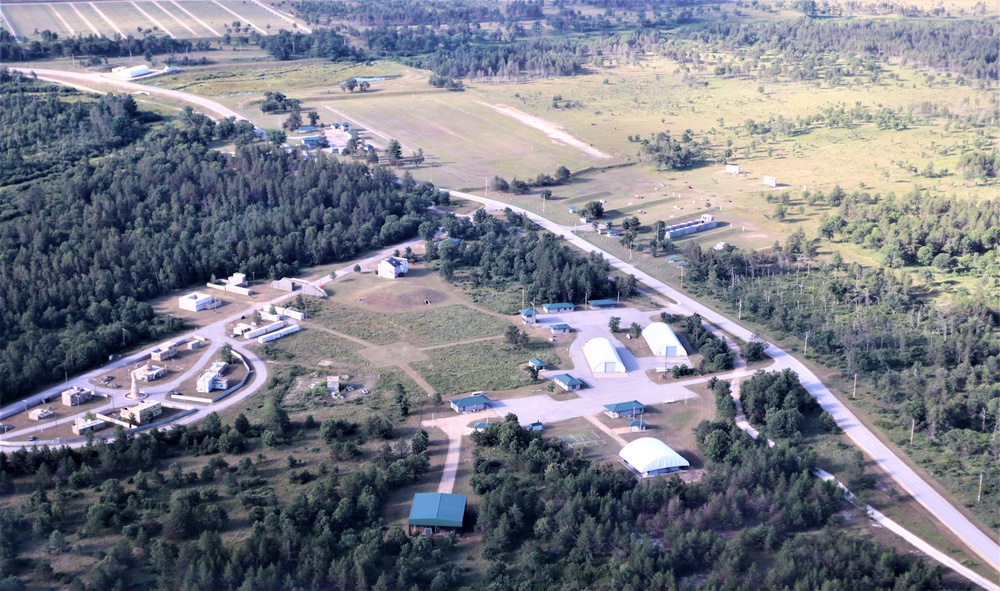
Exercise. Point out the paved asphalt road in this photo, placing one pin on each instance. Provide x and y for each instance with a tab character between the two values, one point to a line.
982	544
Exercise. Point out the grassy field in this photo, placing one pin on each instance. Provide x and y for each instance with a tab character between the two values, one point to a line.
435	326
481	366
186	19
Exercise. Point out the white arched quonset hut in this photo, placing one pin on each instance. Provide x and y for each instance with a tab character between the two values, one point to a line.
602	356
662	341
647	457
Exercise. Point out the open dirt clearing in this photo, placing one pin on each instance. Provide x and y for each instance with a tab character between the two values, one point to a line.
558	134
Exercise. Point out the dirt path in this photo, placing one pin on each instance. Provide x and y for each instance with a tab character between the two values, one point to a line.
465	342
338	334
597	423
555	133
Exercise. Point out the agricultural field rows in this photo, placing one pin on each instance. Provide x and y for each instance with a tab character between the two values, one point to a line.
179	19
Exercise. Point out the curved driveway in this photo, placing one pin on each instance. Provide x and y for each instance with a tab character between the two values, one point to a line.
982	544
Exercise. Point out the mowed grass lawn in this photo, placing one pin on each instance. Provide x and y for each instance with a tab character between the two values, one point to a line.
435	326
490	365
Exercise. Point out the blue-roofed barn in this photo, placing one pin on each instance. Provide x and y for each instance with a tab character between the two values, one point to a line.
436	513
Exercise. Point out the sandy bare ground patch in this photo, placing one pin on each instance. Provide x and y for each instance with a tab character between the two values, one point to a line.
556	133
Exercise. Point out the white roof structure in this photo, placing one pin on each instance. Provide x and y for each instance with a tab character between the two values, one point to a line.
132	72
602	356
662	340
649	456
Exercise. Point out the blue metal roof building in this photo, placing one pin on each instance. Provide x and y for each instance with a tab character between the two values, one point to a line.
567	382
436	513
625	409
473	403
596	304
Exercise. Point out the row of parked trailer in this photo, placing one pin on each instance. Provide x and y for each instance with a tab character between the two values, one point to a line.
291	329
257	332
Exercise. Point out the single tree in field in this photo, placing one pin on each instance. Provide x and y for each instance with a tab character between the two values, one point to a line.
349	84
294	120
546	194
532	371
313	118
562	174
226	353
614	323
635	331
418	157
394	151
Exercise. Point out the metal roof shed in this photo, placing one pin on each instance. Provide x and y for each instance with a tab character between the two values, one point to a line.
647	457
437	510
558	307
567	382
598	304
625	409
602	356
662	341
473	403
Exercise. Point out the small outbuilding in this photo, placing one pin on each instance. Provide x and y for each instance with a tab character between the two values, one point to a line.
662	341
558	307
637	425
527	315
567	382
436	513
41	413
646	457
602	356
560	328
473	403
536	426
632	409
536	363
602	304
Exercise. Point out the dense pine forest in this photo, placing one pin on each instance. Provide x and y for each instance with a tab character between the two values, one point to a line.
490	255
935	365
86	241
554	521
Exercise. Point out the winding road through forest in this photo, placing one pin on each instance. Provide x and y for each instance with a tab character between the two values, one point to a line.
983	545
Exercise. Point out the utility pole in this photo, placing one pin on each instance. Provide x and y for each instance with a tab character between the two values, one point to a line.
913	423
740	317
805	350
855	394
979	497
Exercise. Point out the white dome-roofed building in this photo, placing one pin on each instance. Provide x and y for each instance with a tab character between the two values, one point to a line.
646	457
662	341
602	356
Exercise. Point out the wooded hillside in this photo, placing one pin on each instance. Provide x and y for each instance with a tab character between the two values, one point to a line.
83	247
